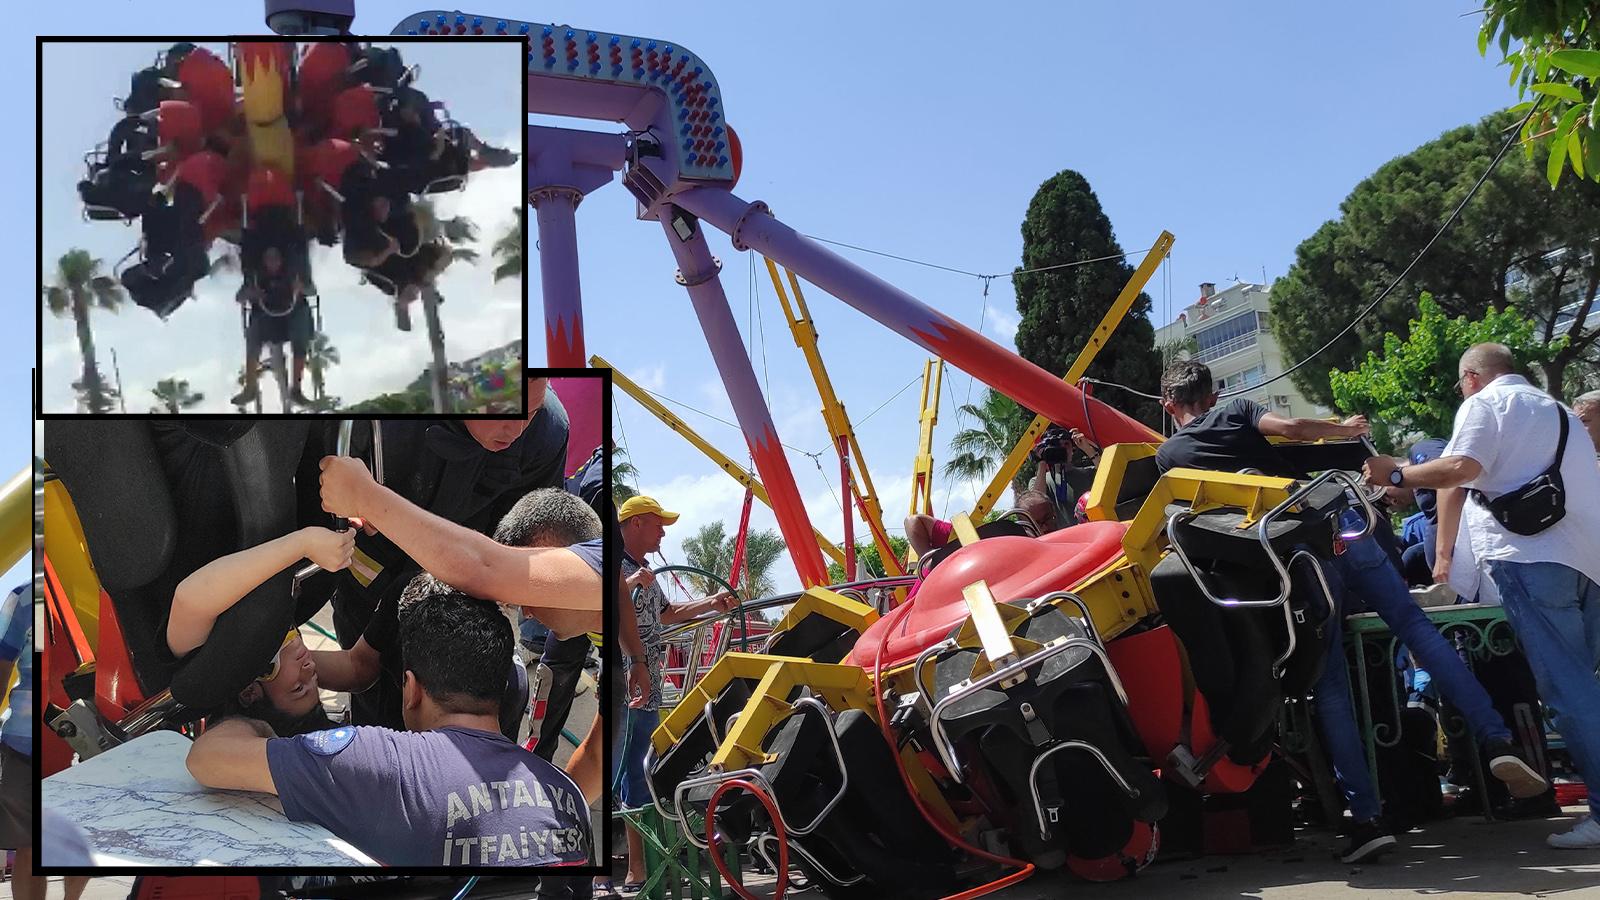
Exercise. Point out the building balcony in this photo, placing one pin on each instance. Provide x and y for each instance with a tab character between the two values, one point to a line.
1226	348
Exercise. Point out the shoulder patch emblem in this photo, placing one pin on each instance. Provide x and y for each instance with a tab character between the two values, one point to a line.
327	743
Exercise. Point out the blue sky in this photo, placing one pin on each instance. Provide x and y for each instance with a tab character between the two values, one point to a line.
202	341
923	130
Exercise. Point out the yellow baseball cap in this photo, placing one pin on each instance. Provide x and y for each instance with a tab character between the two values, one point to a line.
637	506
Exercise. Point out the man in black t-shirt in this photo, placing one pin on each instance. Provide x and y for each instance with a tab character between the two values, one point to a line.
1233	436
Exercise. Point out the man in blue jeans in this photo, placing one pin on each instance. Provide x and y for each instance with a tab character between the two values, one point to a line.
1508	433
1232	437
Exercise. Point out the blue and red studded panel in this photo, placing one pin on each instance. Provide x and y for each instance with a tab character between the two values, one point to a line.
612	63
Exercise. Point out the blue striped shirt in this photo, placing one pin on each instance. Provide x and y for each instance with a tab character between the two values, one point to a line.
16	645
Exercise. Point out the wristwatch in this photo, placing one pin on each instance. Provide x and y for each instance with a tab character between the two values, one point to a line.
1397	477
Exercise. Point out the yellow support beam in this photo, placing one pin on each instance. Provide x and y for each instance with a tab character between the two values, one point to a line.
16	518
835	417
927	418
737	472
1097	340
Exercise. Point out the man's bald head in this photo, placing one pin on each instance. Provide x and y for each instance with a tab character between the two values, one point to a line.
1481	364
1490	360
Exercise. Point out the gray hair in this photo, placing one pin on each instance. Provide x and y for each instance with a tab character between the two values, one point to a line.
548	517
1592	398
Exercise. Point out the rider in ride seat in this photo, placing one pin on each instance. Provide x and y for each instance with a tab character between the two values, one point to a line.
276	264
175	238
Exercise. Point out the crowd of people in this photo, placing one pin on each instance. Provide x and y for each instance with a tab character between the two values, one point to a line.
341	159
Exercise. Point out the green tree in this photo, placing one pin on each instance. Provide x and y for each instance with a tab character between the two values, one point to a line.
1557	57
79	288
977	451
508	249
321	354
174	396
1061	307
1515	226
1410	389
867	554
624	476
711	548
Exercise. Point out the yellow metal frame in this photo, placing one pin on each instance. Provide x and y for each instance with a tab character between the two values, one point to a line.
1080	365
737	472
927	419
1100	503
836	607
834	415
1202	490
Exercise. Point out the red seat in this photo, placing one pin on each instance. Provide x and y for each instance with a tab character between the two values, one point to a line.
1015	568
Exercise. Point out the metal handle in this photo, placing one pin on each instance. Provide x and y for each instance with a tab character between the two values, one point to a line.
1092	750
1262	526
943	744
801	705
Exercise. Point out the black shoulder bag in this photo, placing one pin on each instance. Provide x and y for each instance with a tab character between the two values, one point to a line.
1538	504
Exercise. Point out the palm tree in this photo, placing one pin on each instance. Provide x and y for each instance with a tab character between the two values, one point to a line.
624	475
508	249
175	396
711	548
319	356
997	426
453	232
79	286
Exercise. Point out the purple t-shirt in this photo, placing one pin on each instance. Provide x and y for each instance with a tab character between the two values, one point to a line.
451	796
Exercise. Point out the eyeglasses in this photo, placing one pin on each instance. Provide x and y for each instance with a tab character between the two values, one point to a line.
1462	380
272	672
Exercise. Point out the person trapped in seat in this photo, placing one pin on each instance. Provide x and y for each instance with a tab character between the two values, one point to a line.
1233	436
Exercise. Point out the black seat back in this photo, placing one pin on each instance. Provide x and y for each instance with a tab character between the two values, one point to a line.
158	500
1138	479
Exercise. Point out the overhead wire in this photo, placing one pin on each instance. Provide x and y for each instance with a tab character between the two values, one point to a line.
1450	220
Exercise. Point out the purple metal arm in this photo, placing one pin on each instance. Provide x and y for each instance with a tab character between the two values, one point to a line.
697	271
753	227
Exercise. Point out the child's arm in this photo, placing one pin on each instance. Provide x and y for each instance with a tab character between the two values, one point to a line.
352	670
215	587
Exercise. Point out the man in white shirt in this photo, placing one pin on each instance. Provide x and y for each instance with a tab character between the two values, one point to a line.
1506	434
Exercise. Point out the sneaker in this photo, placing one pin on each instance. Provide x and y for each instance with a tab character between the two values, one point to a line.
402	316
1584	836
1507	764
1368	841
246	396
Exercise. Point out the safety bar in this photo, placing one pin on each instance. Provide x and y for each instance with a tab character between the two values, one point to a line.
801	705
342	448
216	202
823	870
1262	526
329	188
1288	614
1019	515
1088	619
149	714
1038	762
942	743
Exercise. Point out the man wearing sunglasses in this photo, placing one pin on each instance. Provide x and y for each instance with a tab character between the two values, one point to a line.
451	789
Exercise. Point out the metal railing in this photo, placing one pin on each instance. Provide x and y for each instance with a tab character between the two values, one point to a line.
1228	347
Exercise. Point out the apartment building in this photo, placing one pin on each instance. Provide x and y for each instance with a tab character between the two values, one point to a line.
1229	331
